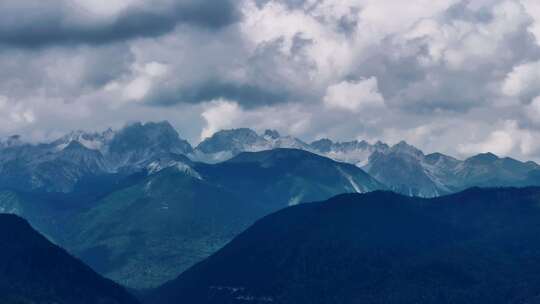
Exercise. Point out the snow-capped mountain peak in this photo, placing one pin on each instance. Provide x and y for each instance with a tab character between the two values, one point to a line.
355	152
91	140
59	165
226	144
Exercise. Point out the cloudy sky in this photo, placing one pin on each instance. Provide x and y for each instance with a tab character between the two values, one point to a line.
456	76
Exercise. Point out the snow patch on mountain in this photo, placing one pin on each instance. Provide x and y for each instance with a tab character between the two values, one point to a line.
295	200
9	203
211	158
351	180
156	166
353	152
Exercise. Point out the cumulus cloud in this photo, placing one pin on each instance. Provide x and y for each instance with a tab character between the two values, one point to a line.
510	138
220	114
523	81
354	96
499	142
141	80
225	114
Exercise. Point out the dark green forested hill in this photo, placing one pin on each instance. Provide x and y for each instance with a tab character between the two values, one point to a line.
478	246
147	233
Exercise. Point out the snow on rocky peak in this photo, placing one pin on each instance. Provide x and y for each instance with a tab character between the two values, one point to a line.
226	144
90	140
354	152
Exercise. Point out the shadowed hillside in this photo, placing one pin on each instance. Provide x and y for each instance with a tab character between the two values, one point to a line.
33	270
478	246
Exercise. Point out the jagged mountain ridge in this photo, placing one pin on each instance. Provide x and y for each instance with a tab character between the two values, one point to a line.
401	167
226	144
59	165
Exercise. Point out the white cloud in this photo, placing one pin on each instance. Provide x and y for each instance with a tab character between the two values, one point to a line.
523	80
330	50
143	77
320	23
463	44
354	96
499	142
224	114
220	114
510	139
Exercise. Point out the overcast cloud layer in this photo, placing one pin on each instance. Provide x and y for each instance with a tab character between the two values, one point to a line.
453	76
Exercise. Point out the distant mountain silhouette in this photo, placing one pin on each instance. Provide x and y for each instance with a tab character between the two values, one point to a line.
478	246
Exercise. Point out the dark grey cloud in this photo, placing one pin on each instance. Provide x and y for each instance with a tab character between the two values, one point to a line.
61	72
262	77
249	95
34	24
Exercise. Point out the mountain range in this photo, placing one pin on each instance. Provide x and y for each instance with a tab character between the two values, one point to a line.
60	165
140	205
401	167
